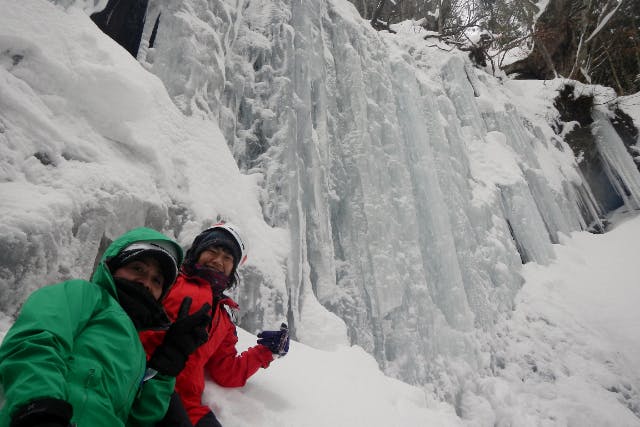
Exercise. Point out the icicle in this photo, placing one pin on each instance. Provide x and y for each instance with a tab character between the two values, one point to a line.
618	163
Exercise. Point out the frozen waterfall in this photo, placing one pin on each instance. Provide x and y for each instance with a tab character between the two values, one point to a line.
390	190
411	196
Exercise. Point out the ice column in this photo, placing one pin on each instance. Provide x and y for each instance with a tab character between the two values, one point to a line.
618	163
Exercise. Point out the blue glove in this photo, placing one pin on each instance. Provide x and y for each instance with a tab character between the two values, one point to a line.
276	341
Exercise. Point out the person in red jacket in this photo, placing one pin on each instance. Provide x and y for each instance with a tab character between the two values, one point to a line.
209	269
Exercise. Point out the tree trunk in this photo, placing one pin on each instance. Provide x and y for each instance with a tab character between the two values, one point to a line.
377	14
615	74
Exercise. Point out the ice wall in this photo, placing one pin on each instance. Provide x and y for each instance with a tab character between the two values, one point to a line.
619	167
91	146
412	188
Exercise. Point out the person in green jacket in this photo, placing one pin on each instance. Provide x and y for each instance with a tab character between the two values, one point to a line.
73	356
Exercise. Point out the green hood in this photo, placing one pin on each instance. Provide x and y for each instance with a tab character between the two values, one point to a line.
102	276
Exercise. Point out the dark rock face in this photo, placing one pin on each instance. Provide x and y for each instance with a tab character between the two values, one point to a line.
578	109
575	124
623	124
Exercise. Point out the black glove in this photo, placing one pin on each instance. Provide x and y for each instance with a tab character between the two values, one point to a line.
276	341
46	412
208	420
183	337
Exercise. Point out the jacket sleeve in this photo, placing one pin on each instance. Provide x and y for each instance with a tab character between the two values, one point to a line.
230	369
35	351
152	401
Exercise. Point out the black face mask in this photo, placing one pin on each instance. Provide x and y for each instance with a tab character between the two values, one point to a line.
140	305
218	281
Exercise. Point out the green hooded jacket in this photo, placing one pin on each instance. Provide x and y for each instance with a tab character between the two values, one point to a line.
73	341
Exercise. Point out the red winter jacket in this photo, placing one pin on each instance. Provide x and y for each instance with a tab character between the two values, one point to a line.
218	356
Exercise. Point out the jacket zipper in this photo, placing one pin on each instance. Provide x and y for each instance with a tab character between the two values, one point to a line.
87	384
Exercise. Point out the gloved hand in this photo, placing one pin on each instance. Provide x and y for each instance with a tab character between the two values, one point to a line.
46	412
183	337
276	341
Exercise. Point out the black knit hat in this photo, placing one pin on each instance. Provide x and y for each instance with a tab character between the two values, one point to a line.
211	238
164	253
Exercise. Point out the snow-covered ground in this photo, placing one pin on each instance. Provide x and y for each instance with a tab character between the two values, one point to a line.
572	343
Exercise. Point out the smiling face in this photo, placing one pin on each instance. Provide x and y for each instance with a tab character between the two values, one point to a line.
146	271
217	258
